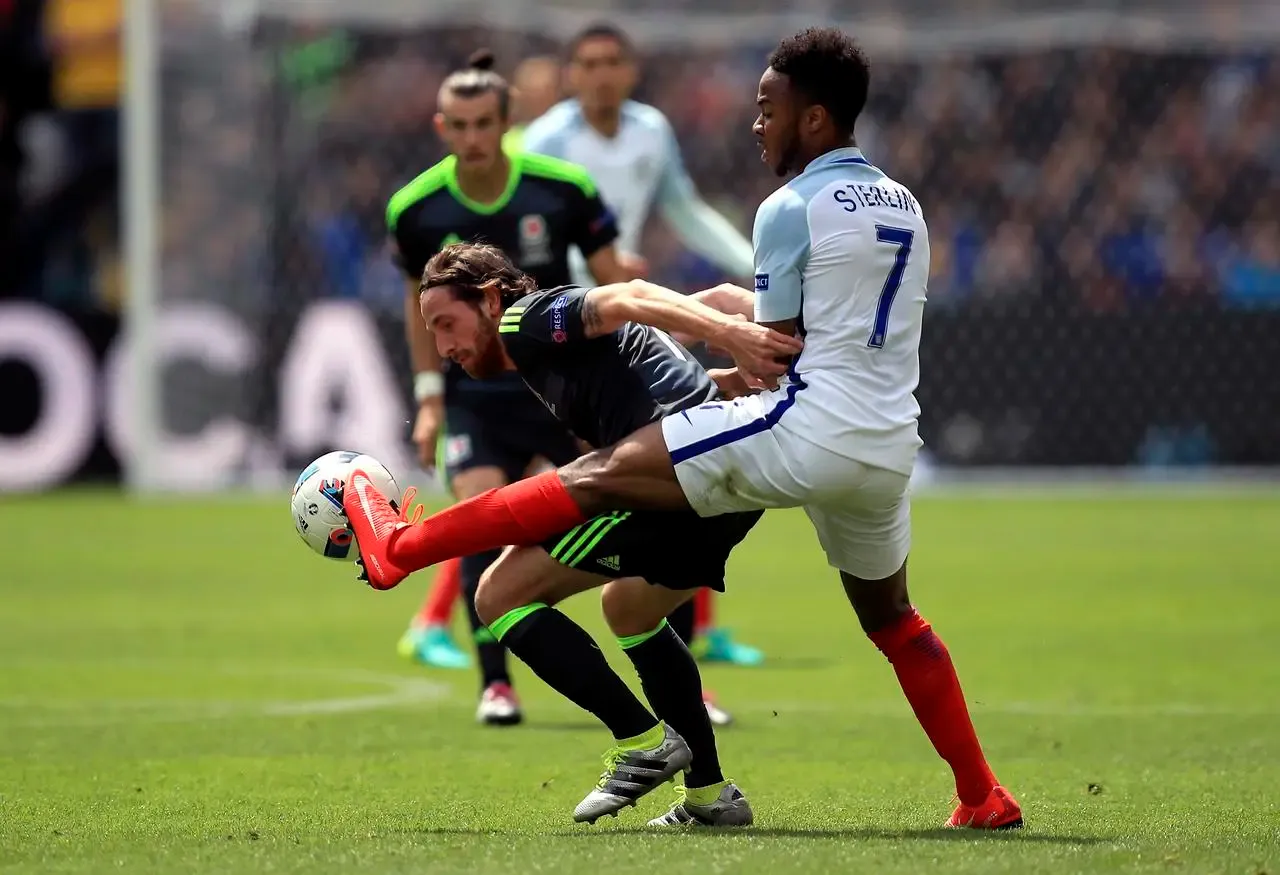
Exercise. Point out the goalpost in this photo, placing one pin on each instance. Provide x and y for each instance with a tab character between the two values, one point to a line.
140	164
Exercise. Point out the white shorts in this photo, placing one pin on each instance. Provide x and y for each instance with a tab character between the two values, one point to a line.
733	456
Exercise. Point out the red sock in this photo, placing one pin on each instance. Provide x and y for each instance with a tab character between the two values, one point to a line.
703	611
437	607
522	513
927	676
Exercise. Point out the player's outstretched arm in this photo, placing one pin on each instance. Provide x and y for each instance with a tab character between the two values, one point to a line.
695	223
608	308
727	298
730	299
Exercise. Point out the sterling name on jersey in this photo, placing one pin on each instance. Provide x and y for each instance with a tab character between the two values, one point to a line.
638	168
844	249
547	206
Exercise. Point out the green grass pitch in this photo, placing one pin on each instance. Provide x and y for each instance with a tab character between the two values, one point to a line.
185	689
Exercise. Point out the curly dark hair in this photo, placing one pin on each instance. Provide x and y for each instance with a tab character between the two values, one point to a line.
468	267
827	67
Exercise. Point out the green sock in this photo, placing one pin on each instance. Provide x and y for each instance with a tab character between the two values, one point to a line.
704	795
645	740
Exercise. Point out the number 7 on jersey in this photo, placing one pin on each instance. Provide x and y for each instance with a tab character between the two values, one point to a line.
901	238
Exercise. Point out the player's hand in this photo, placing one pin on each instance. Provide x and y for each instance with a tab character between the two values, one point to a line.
755	382
633	265
757	350
426	430
730	381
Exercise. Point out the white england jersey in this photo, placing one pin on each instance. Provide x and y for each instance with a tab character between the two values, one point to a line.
844	249
635	170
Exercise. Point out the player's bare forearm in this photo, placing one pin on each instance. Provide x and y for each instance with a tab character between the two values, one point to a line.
755	348
423	355
730	299
727	298
608	308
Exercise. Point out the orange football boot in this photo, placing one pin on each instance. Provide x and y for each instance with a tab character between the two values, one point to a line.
998	811
373	520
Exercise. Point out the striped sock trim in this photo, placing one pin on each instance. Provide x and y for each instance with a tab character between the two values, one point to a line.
508	621
626	642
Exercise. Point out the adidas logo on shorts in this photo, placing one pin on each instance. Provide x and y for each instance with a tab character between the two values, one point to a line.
610	562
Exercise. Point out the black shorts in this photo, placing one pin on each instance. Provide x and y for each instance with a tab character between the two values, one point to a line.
490	435
677	549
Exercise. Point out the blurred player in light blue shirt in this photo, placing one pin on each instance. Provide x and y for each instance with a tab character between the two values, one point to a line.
535	88
632	154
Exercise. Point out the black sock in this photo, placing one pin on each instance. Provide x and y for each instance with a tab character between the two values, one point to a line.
681	622
561	653
674	688
491	655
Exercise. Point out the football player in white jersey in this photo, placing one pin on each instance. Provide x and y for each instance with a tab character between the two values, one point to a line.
842	258
631	152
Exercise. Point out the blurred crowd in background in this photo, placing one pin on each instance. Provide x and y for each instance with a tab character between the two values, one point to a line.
1121	192
61	75
1097	178
1103	178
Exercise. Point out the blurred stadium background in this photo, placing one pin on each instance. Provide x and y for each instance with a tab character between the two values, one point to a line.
1102	184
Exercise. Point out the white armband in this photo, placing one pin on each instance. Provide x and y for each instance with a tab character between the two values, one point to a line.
427	384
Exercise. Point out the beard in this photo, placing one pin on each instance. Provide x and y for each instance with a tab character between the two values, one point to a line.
489	359
788	158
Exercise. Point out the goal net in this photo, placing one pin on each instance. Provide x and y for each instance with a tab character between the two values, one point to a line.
1100	182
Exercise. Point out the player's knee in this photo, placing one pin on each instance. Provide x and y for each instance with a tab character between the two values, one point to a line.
488	598
511	582
602	480
634	473
627	609
473	567
878	603
614	604
498	594
588	480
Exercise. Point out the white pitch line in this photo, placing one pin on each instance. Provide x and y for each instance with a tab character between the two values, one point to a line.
399	692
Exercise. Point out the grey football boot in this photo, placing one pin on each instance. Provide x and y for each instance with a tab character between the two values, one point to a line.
705	807
631	773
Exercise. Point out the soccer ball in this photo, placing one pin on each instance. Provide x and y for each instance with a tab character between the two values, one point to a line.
317	501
